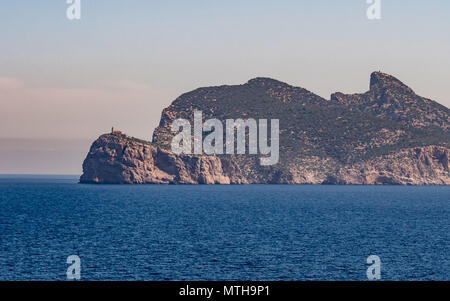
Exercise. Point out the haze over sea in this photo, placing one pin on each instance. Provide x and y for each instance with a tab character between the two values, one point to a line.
242	232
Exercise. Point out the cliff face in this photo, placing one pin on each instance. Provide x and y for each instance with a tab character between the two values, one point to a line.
119	159
416	166
388	135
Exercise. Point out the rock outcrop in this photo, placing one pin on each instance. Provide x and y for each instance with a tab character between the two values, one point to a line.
388	135
416	166
389	98
120	159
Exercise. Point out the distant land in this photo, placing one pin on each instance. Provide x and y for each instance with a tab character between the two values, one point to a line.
388	135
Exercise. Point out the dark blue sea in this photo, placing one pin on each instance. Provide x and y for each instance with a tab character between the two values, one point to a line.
254	232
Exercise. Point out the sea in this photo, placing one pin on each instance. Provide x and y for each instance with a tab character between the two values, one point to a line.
221	232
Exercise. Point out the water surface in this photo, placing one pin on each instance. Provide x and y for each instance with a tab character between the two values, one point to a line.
249	232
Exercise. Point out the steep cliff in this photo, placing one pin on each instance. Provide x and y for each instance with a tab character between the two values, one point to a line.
388	135
416	166
120	159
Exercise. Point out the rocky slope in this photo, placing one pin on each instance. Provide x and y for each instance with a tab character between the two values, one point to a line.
391	99
416	166
388	135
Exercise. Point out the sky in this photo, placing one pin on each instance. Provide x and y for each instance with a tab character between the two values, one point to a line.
124	61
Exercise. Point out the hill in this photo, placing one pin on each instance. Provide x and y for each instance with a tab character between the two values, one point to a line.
388	135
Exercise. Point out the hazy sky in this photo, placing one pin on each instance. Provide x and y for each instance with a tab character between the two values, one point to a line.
124	61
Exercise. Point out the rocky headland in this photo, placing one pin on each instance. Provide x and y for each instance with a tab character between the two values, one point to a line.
387	135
